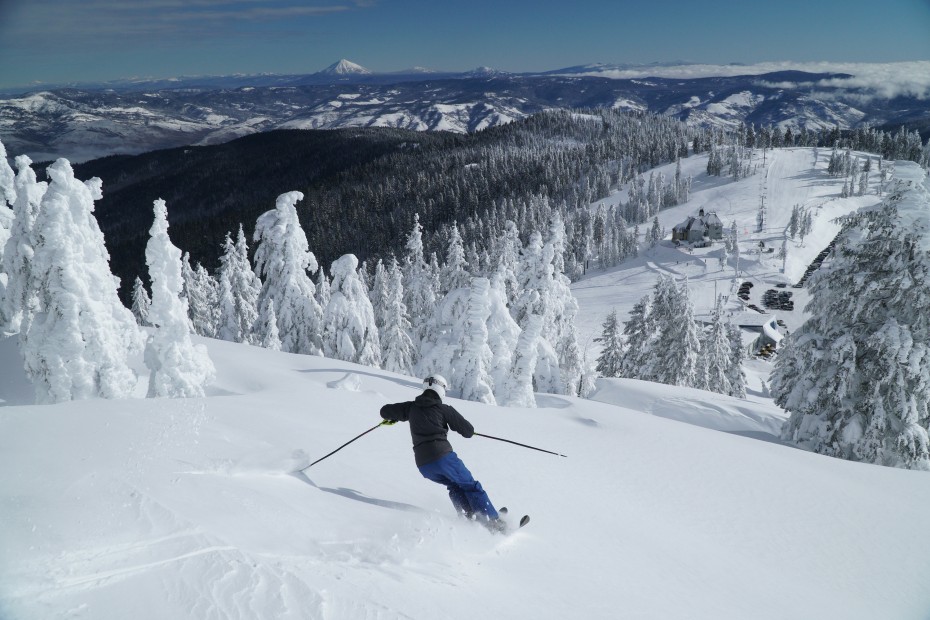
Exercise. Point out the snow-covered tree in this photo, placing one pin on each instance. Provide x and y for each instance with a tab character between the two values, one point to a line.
141	303
419	287
505	255
518	390
609	362
471	376
503	333
202	294
266	329
736	374
856	376
663	342
639	331
456	341
397	349
716	353
178	367
19	301
378	294
283	260
239	289
565	335
455	273
7	179
7	199
441	344
322	287
655	233
349	331
675	358
546	292
78	342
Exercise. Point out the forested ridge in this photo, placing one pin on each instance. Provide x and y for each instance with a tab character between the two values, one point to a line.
210	190
362	187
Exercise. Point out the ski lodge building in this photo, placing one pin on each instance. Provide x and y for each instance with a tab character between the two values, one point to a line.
700	229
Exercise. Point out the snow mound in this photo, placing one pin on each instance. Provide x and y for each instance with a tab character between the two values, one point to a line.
697	407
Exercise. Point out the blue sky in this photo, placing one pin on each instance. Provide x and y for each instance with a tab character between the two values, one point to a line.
53	41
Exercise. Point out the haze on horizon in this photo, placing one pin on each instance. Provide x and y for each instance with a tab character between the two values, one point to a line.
62	41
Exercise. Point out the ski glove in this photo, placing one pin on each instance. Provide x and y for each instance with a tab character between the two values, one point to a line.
389	423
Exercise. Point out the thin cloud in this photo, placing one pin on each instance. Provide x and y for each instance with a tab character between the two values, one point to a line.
65	20
872	80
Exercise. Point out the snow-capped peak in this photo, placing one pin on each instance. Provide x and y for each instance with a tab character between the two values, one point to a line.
485	72
345	67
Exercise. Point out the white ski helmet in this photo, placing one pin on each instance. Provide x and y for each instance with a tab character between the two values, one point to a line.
437	383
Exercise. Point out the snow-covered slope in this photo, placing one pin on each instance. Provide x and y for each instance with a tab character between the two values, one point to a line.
155	508
183	509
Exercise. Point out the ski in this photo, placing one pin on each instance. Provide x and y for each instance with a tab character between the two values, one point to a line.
523	520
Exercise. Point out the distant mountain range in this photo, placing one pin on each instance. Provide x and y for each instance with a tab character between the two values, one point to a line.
128	117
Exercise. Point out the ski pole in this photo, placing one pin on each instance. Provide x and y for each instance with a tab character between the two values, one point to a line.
342	446
520	444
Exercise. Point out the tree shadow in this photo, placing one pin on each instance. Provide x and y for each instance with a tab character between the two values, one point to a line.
359	497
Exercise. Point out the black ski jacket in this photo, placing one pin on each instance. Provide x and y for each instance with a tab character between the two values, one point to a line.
430	421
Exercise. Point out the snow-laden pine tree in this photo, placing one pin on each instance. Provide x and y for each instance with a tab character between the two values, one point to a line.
226	323
265	330
477	263
78	342
364	276
455	272
564	333
663	342
441	343
503	333
506	256
545	292
378	295
674	357
456	346
141	303
856	376
536	277
397	349
716	353
322	287
736	374
178	368
419	288
639	331
518	389
349	331
19	301
202	293
239	288
610	360
282	261
226	312
7	199
7	179
471	376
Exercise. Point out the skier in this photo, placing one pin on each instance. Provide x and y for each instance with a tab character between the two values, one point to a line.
430	421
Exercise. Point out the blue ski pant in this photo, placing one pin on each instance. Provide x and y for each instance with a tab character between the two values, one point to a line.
466	493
